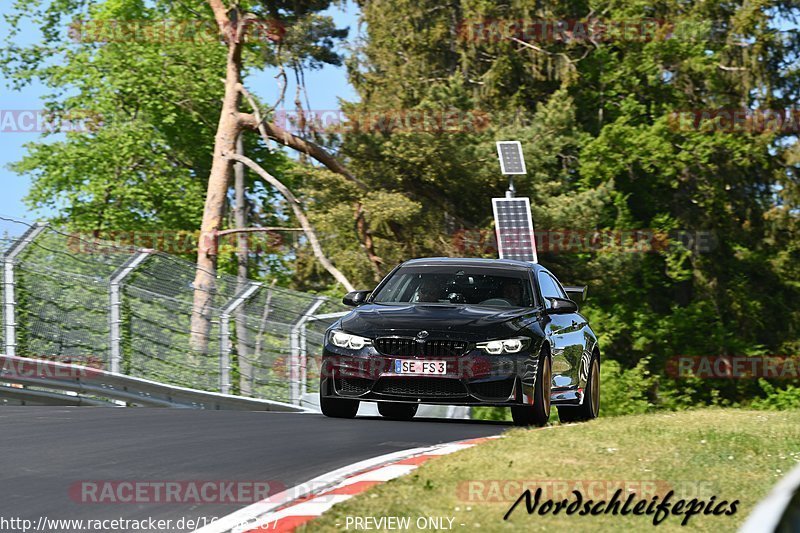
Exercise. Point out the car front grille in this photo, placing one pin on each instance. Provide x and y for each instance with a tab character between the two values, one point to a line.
444	348
498	389
421	387
404	347
409	347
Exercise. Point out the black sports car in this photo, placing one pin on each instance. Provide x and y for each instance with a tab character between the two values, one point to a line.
463	332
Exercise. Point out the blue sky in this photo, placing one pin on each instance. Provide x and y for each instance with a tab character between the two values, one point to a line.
325	88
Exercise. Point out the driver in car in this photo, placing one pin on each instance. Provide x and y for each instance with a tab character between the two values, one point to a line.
427	291
512	291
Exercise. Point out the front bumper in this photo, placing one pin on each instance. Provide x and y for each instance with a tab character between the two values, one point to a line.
474	378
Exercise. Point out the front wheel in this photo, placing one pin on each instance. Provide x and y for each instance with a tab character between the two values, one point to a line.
539	413
397	411
338	407
591	401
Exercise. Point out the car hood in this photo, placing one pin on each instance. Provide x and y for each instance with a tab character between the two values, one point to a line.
465	321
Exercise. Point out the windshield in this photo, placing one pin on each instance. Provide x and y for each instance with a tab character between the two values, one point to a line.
493	287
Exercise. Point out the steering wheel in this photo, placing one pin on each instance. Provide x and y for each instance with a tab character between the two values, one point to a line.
456	298
497	301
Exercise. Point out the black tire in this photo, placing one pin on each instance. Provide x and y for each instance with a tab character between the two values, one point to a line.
591	402
338	407
539	413
397	411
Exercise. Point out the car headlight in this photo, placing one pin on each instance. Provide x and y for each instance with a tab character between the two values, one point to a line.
346	340
498	347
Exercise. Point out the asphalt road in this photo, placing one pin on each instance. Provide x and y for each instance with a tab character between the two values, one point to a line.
50	455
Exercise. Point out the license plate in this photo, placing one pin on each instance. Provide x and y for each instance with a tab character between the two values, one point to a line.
419	367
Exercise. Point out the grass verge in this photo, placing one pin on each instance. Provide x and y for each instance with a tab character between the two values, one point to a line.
729	454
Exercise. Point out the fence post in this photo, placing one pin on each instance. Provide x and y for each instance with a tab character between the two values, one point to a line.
115	318
9	285
297	363
225	335
303	359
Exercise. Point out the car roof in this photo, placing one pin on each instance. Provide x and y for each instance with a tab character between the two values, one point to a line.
476	262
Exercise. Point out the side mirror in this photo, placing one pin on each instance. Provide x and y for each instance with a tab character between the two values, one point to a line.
577	293
561	306
355	298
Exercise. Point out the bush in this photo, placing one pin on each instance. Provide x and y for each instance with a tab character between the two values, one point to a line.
624	392
777	399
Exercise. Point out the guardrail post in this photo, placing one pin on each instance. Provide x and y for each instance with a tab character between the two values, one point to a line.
225	335
9	285
297	363
115	317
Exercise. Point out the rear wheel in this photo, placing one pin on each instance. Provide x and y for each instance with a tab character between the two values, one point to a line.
338	407
538	413
397	411
591	402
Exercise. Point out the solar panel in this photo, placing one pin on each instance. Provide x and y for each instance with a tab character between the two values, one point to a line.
514	226
511	158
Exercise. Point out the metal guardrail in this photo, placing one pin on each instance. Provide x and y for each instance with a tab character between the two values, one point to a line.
92	386
10	395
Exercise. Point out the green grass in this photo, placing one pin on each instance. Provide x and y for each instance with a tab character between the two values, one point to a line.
728	453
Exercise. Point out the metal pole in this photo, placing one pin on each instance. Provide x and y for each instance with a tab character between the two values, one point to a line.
294	348
303	361
224	353
511	190
297	341
115	317
9	285
225	335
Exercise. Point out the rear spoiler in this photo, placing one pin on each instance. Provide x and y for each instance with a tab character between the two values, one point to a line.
577	293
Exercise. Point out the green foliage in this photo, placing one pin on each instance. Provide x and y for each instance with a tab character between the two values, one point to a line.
625	392
776	398
491	413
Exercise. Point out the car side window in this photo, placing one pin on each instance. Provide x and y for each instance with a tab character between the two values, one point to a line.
559	288
549	288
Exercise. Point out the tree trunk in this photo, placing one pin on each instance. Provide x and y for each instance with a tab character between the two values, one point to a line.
364	236
231	123
224	144
242	252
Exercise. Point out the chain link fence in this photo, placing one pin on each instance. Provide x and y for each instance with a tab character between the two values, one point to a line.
129	311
